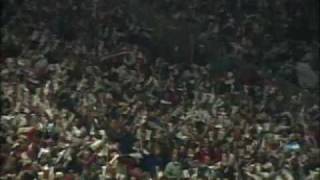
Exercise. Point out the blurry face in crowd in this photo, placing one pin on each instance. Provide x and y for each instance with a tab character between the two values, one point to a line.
157	151
206	142
190	153
174	156
182	149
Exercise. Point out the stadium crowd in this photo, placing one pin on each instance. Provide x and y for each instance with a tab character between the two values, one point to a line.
68	116
142	120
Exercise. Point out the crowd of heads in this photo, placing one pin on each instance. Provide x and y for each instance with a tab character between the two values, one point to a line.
140	120
68	115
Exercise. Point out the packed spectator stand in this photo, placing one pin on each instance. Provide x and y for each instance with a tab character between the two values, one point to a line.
77	105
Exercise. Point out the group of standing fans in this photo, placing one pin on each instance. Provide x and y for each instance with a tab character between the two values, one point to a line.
68	115
146	121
